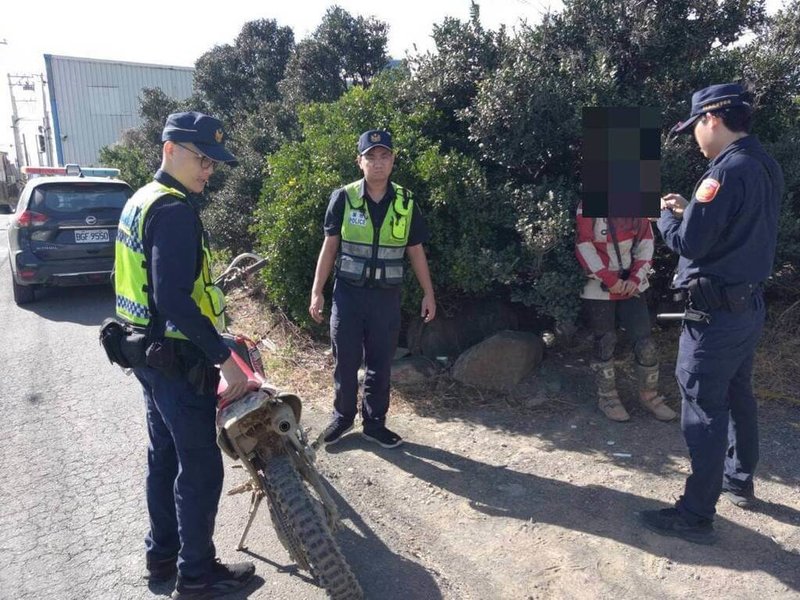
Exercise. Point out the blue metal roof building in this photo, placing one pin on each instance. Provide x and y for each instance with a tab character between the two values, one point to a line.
93	102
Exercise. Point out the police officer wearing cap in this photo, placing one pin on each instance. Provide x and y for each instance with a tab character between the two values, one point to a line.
370	225
726	238
164	288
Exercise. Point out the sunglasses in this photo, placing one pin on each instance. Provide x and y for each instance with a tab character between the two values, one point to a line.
205	162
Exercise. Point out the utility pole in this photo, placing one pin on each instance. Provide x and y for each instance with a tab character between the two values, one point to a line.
48	148
15	124
25	150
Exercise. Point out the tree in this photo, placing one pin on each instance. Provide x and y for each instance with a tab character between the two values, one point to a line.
238	78
342	51
527	117
447	79
138	153
229	214
771	63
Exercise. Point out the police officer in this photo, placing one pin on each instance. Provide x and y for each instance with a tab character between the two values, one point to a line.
370	225
163	286
726	237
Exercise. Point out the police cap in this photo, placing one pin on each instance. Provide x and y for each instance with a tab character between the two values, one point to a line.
205	132
374	137
713	98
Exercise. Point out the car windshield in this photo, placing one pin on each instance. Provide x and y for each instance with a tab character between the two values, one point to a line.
78	197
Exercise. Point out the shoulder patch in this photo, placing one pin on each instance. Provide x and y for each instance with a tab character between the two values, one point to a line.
707	190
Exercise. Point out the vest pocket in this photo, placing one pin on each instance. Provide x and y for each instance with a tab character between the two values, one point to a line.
393	274
351	269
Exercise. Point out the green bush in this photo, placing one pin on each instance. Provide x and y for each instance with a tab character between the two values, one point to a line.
131	162
473	241
548	276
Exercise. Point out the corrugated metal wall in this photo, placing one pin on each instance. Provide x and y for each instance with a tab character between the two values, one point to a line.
94	101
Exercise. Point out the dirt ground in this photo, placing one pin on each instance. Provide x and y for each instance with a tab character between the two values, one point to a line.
534	494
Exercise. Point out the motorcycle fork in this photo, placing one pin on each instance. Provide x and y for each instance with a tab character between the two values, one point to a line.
304	462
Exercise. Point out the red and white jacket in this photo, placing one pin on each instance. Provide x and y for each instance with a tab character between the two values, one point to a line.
594	248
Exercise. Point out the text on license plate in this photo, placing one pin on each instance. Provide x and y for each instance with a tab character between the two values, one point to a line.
90	236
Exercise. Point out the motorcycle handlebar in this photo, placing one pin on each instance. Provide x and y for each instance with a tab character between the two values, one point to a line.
234	273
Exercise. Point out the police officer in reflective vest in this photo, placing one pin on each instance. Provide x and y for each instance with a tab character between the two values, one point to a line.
726	237
163	286
370	225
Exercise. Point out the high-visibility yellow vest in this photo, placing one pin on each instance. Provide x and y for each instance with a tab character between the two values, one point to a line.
369	255
130	266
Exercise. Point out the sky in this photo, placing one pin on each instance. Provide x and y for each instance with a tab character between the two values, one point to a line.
178	33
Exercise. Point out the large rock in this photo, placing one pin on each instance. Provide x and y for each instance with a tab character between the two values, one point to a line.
450	336
413	370
501	361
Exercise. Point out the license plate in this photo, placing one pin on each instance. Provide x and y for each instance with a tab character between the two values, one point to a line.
91	236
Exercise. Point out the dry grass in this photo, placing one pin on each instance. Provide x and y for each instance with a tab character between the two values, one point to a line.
777	366
295	361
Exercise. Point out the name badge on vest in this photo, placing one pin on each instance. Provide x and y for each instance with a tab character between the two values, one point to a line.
358	217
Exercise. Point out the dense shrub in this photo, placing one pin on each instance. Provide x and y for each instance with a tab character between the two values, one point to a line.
487	128
473	242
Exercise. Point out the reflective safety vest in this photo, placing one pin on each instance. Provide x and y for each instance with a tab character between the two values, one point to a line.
130	266
367	255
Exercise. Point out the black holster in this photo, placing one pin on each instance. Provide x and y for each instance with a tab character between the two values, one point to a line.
124	345
706	294
181	358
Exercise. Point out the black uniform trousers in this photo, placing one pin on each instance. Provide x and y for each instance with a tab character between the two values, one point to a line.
365	325
719	412
184	471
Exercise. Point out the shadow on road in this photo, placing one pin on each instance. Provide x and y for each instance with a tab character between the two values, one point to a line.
381	573
778	512
84	305
568	420
595	510
291	569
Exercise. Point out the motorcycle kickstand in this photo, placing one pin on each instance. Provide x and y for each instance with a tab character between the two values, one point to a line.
255	500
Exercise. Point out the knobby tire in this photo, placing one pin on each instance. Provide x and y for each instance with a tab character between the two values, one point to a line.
306	531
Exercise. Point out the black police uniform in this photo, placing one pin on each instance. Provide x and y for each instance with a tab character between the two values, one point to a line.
184	464
727	239
183	453
365	321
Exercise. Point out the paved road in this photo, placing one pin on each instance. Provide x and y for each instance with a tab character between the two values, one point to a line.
483	503
73	457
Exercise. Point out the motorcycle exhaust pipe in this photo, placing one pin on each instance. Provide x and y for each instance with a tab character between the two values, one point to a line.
282	419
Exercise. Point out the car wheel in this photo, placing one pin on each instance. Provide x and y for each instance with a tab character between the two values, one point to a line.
23	294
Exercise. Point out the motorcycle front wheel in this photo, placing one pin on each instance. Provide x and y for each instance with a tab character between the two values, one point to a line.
303	529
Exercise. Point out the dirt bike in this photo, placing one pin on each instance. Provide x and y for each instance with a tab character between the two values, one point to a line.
262	431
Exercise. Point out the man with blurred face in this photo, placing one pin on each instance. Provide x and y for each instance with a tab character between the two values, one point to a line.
370	225
164	289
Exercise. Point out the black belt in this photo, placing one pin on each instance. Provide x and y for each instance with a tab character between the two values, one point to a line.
705	294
